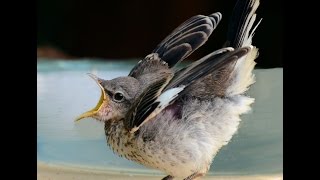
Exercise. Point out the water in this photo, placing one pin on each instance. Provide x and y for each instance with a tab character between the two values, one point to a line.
64	91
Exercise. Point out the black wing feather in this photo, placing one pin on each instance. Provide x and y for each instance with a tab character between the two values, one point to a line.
194	32
177	46
143	105
207	65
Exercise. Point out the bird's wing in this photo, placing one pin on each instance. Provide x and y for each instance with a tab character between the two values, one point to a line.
234	78
192	33
198	68
145	102
177	46
213	63
184	40
175	87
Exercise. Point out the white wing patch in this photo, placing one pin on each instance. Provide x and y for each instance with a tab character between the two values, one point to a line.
164	100
166	97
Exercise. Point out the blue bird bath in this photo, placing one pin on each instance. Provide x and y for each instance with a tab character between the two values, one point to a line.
69	150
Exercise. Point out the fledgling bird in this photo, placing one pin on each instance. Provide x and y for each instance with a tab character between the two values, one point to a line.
176	120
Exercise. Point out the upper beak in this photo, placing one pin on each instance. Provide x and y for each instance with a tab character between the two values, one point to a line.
104	99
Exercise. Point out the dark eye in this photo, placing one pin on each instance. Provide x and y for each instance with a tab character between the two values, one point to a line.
118	96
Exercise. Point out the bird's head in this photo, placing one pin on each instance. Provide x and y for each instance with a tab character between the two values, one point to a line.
117	95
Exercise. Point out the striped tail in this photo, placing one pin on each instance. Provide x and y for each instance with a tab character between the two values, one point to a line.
240	32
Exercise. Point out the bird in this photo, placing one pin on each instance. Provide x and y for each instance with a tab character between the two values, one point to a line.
177	119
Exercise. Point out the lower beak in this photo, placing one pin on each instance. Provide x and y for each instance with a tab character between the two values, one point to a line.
103	100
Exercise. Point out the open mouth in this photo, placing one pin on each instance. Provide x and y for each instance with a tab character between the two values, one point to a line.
104	99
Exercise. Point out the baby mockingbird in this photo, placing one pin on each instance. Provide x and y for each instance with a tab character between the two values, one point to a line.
176	120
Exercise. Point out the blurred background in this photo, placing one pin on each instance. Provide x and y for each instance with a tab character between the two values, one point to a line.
119	29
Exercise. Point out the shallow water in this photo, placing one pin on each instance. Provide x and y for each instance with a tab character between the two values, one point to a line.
64	91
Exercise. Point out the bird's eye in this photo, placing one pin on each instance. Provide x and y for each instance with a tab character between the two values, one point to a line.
118	96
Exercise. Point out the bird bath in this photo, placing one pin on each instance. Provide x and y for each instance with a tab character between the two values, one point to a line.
69	150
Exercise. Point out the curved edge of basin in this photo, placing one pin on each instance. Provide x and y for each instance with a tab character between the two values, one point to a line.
46	171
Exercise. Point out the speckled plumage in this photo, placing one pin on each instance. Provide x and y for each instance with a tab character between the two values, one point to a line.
181	147
176	120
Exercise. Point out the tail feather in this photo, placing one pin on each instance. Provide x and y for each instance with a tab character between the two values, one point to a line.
241	23
240	34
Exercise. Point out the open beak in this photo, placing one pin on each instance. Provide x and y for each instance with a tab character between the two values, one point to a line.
104	99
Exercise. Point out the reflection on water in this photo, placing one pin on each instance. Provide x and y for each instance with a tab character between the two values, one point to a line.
64	91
